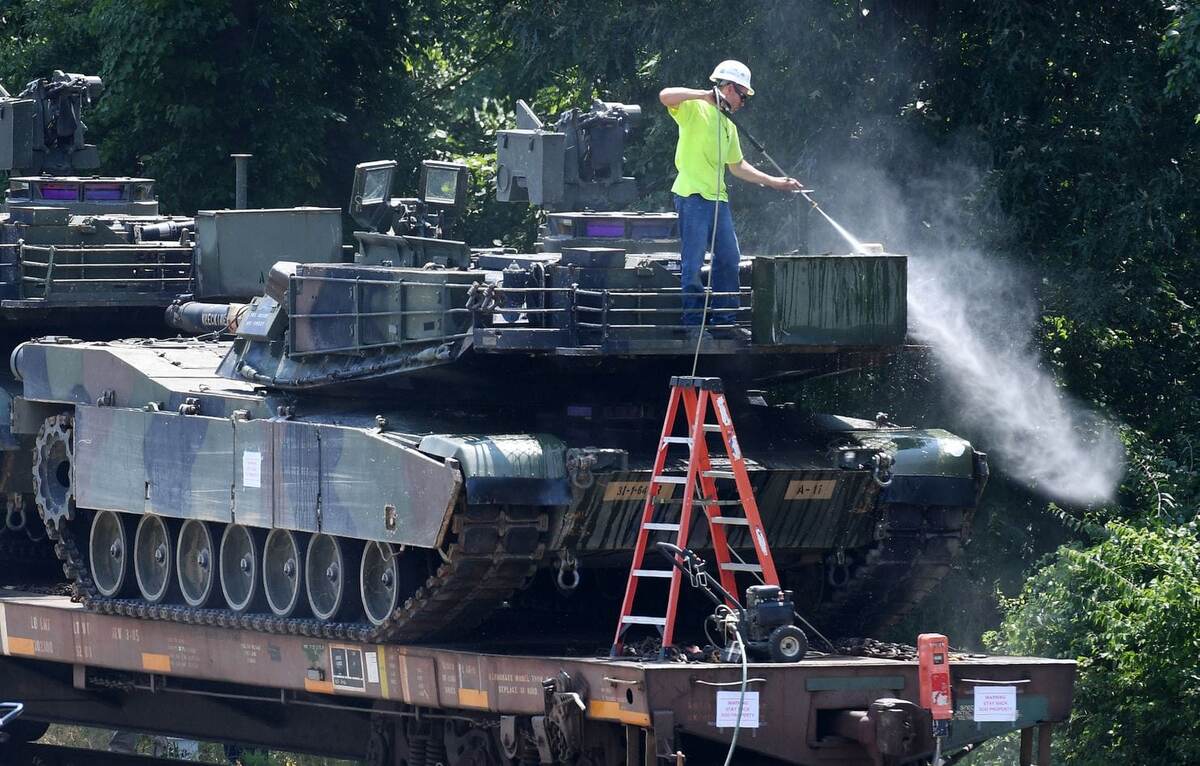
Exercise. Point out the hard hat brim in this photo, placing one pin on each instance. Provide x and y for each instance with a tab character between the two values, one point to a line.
713	78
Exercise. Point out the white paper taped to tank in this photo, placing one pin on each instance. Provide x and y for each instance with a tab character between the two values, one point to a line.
251	469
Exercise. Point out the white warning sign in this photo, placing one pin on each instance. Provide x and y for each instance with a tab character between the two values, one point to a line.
995	703
727	710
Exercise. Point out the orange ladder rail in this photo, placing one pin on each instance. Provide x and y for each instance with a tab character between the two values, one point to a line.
698	397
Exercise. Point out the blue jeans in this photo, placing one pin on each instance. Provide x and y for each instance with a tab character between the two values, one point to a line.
695	233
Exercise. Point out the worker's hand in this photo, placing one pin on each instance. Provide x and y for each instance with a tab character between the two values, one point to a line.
786	184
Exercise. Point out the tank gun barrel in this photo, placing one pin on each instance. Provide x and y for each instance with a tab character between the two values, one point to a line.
198	318
167	231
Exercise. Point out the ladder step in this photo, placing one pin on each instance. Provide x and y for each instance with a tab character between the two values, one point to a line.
661	526
670	480
634	619
677	440
712	428
732	521
741	567
712	503
718	474
663	573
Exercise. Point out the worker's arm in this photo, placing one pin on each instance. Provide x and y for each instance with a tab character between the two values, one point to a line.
747	172
672	97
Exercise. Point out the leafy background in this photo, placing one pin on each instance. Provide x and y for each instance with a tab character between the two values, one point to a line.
1057	139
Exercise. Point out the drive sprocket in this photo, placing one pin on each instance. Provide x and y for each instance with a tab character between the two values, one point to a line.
54	473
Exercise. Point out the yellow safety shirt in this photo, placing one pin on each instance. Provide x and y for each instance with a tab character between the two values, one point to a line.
696	152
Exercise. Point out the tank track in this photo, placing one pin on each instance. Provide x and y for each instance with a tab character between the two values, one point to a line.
895	574
495	552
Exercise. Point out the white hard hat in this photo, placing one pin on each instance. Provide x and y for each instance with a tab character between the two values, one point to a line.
732	70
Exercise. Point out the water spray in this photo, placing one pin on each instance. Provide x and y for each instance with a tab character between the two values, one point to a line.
1032	427
858	247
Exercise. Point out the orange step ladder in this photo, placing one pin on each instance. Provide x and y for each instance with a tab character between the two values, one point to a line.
698	396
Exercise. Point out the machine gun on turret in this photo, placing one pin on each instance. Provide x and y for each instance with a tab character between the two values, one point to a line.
579	164
42	129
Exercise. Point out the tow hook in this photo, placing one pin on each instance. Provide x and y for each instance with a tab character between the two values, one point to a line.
567	567
579	467
881	468
837	572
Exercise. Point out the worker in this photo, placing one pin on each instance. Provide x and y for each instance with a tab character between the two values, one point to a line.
701	195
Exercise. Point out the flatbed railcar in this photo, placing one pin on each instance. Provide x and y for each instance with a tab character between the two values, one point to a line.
389	704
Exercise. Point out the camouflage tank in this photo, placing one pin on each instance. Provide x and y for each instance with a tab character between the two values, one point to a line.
93	257
392	448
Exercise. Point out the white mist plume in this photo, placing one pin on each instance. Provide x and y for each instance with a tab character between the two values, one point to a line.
979	315
1040	436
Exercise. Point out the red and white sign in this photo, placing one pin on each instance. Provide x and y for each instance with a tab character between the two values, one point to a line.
995	703
727	710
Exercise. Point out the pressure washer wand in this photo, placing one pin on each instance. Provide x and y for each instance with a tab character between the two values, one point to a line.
854	243
761	149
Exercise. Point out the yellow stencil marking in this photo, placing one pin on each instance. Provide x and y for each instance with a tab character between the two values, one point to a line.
811	489
381	660
21	646
612	711
157	663
405	692
617	491
318	687
473	698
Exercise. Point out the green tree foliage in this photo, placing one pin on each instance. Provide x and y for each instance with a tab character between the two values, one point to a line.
1092	158
1128	607
309	88
41	37
304	86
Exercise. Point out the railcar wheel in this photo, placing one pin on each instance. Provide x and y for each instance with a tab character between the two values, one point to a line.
54	472
325	576
153	558
108	553
379	581
281	572
195	562
239	567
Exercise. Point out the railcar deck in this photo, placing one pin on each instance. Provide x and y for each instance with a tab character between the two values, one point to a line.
360	700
